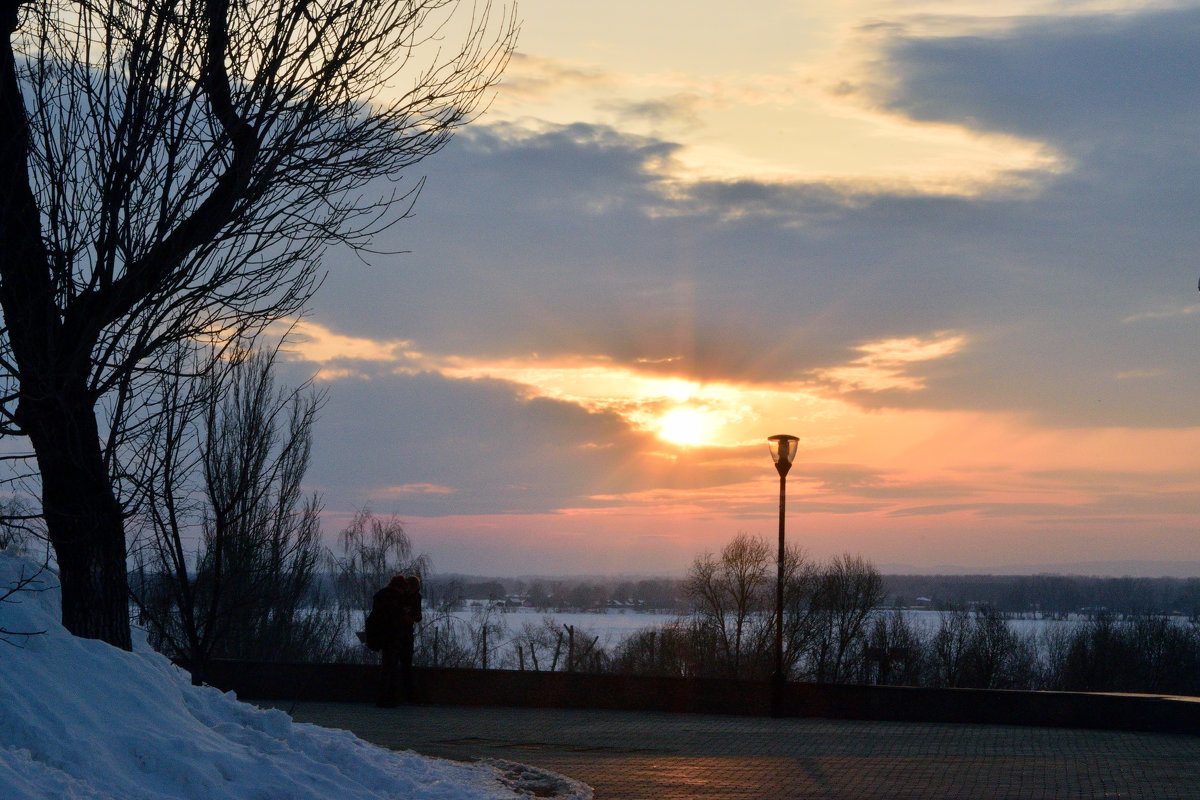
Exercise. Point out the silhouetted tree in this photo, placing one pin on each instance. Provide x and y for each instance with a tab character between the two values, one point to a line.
373	550
979	649
660	594
1144	653
486	629
900	648
443	641
730	596
538	646
848	590
950	648
170	173
539	598
667	650
733	605
228	472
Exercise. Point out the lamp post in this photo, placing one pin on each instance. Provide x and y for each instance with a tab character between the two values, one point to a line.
783	451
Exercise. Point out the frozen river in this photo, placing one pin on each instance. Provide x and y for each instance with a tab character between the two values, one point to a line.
612	627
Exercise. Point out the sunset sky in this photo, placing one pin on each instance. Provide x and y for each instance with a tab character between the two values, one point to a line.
950	246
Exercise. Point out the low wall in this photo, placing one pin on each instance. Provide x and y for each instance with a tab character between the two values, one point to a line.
357	683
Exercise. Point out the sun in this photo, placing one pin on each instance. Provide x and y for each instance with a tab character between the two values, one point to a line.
685	426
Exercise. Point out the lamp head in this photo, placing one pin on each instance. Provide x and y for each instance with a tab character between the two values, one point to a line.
783	451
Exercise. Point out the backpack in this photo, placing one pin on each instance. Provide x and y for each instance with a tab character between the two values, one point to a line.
375	635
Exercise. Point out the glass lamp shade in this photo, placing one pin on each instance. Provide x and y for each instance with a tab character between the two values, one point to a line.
783	450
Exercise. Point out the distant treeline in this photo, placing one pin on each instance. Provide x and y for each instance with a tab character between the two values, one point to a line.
1046	594
1010	594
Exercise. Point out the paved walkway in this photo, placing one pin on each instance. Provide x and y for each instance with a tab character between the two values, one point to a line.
628	755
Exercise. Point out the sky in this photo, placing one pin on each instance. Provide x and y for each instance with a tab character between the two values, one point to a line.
949	246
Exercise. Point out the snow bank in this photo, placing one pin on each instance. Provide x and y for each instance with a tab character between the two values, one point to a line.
81	719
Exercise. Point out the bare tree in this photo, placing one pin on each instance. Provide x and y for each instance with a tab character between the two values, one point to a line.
899	648
978	649
729	594
950	648
801	611
539	647
171	172
848	591
666	650
373	549
247	589
733	601
996	651
486	629
443	640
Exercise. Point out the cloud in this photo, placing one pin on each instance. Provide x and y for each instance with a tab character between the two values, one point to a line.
886	365
646	395
678	109
1115	508
309	341
570	241
530	77
1162	314
426	445
860	482
1077	80
776	126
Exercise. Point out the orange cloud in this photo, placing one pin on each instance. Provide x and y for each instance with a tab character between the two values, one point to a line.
678	409
309	341
884	364
418	488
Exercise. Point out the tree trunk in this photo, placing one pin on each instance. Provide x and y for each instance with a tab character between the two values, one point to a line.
83	519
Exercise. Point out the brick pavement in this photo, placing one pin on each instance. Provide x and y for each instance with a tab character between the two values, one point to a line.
627	755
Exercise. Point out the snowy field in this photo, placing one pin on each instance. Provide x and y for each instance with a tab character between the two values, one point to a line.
81	720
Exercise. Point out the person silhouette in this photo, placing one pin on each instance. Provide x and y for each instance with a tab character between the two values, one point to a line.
410	615
387	617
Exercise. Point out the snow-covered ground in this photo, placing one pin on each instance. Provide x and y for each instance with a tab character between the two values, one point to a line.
80	720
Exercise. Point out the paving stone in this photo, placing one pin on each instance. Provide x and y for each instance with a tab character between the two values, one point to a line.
629	755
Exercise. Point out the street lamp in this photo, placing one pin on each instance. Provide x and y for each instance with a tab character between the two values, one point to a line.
783	452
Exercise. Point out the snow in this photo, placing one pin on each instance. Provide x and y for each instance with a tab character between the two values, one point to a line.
80	719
